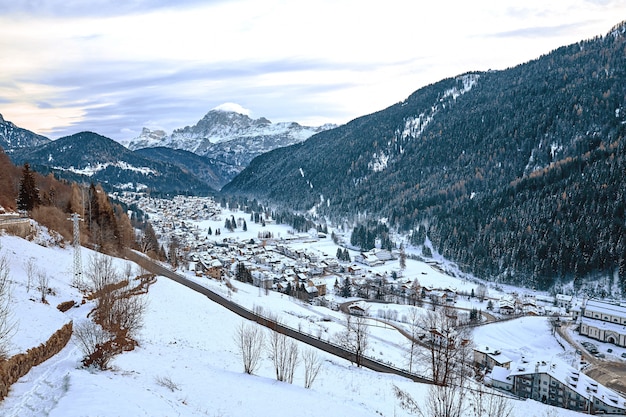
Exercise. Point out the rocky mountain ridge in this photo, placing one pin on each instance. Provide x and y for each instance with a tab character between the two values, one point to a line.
227	136
13	137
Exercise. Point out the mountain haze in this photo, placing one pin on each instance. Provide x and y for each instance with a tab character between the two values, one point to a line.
516	174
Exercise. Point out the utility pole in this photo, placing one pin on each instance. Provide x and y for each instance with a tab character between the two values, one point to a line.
78	264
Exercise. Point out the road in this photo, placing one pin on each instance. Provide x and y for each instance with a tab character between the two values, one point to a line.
339	351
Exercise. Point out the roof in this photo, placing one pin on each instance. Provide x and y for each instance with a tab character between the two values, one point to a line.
501	374
605	308
494	354
605	325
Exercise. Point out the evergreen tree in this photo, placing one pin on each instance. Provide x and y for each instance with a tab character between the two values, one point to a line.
28	195
345	288
245	226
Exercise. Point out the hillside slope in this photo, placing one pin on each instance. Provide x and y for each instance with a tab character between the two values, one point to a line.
89	157
466	142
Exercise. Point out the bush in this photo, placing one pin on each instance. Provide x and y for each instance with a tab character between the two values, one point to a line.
66	305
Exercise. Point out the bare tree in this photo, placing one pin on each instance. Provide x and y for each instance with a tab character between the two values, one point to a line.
90	337
414	322
441	401
102	276
284	354
128	271
312	366
489	403
101	272
43	282
249	338
481	292
355	337
127	313
449	356
117	317
30	268
7	321
449	349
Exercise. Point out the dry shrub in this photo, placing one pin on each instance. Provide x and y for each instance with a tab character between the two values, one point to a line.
55	219
66	305
144	284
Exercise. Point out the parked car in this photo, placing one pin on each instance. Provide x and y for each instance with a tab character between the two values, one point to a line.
624	355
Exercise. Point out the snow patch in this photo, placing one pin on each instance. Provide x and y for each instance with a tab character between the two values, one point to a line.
90	170
232	107
378	162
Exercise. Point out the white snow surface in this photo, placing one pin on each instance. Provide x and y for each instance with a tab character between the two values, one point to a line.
189	340
232	107
91	170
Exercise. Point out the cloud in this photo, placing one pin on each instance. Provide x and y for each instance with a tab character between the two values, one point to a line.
537	31
232	107
114	67
81	8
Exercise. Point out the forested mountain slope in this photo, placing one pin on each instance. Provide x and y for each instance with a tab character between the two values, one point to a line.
88	157
517	174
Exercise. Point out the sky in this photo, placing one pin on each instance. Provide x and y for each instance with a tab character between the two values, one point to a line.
115	67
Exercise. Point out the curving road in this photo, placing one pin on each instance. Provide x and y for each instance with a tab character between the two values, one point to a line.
336	350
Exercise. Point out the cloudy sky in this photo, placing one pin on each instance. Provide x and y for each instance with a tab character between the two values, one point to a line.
114	67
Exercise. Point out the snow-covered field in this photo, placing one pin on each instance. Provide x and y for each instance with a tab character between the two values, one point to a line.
188	340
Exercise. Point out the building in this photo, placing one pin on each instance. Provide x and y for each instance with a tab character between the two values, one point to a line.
604	321
490	358
318	283
559	385
564	301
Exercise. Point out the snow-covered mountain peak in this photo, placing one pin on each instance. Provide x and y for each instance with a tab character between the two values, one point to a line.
226	133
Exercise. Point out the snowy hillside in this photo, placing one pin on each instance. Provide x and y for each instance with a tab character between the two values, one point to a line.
186	363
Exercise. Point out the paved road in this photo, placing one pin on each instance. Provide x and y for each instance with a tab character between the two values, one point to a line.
159	269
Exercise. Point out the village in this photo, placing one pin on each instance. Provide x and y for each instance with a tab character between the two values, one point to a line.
225	244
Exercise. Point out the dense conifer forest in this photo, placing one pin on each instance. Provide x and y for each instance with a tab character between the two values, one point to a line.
518	175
